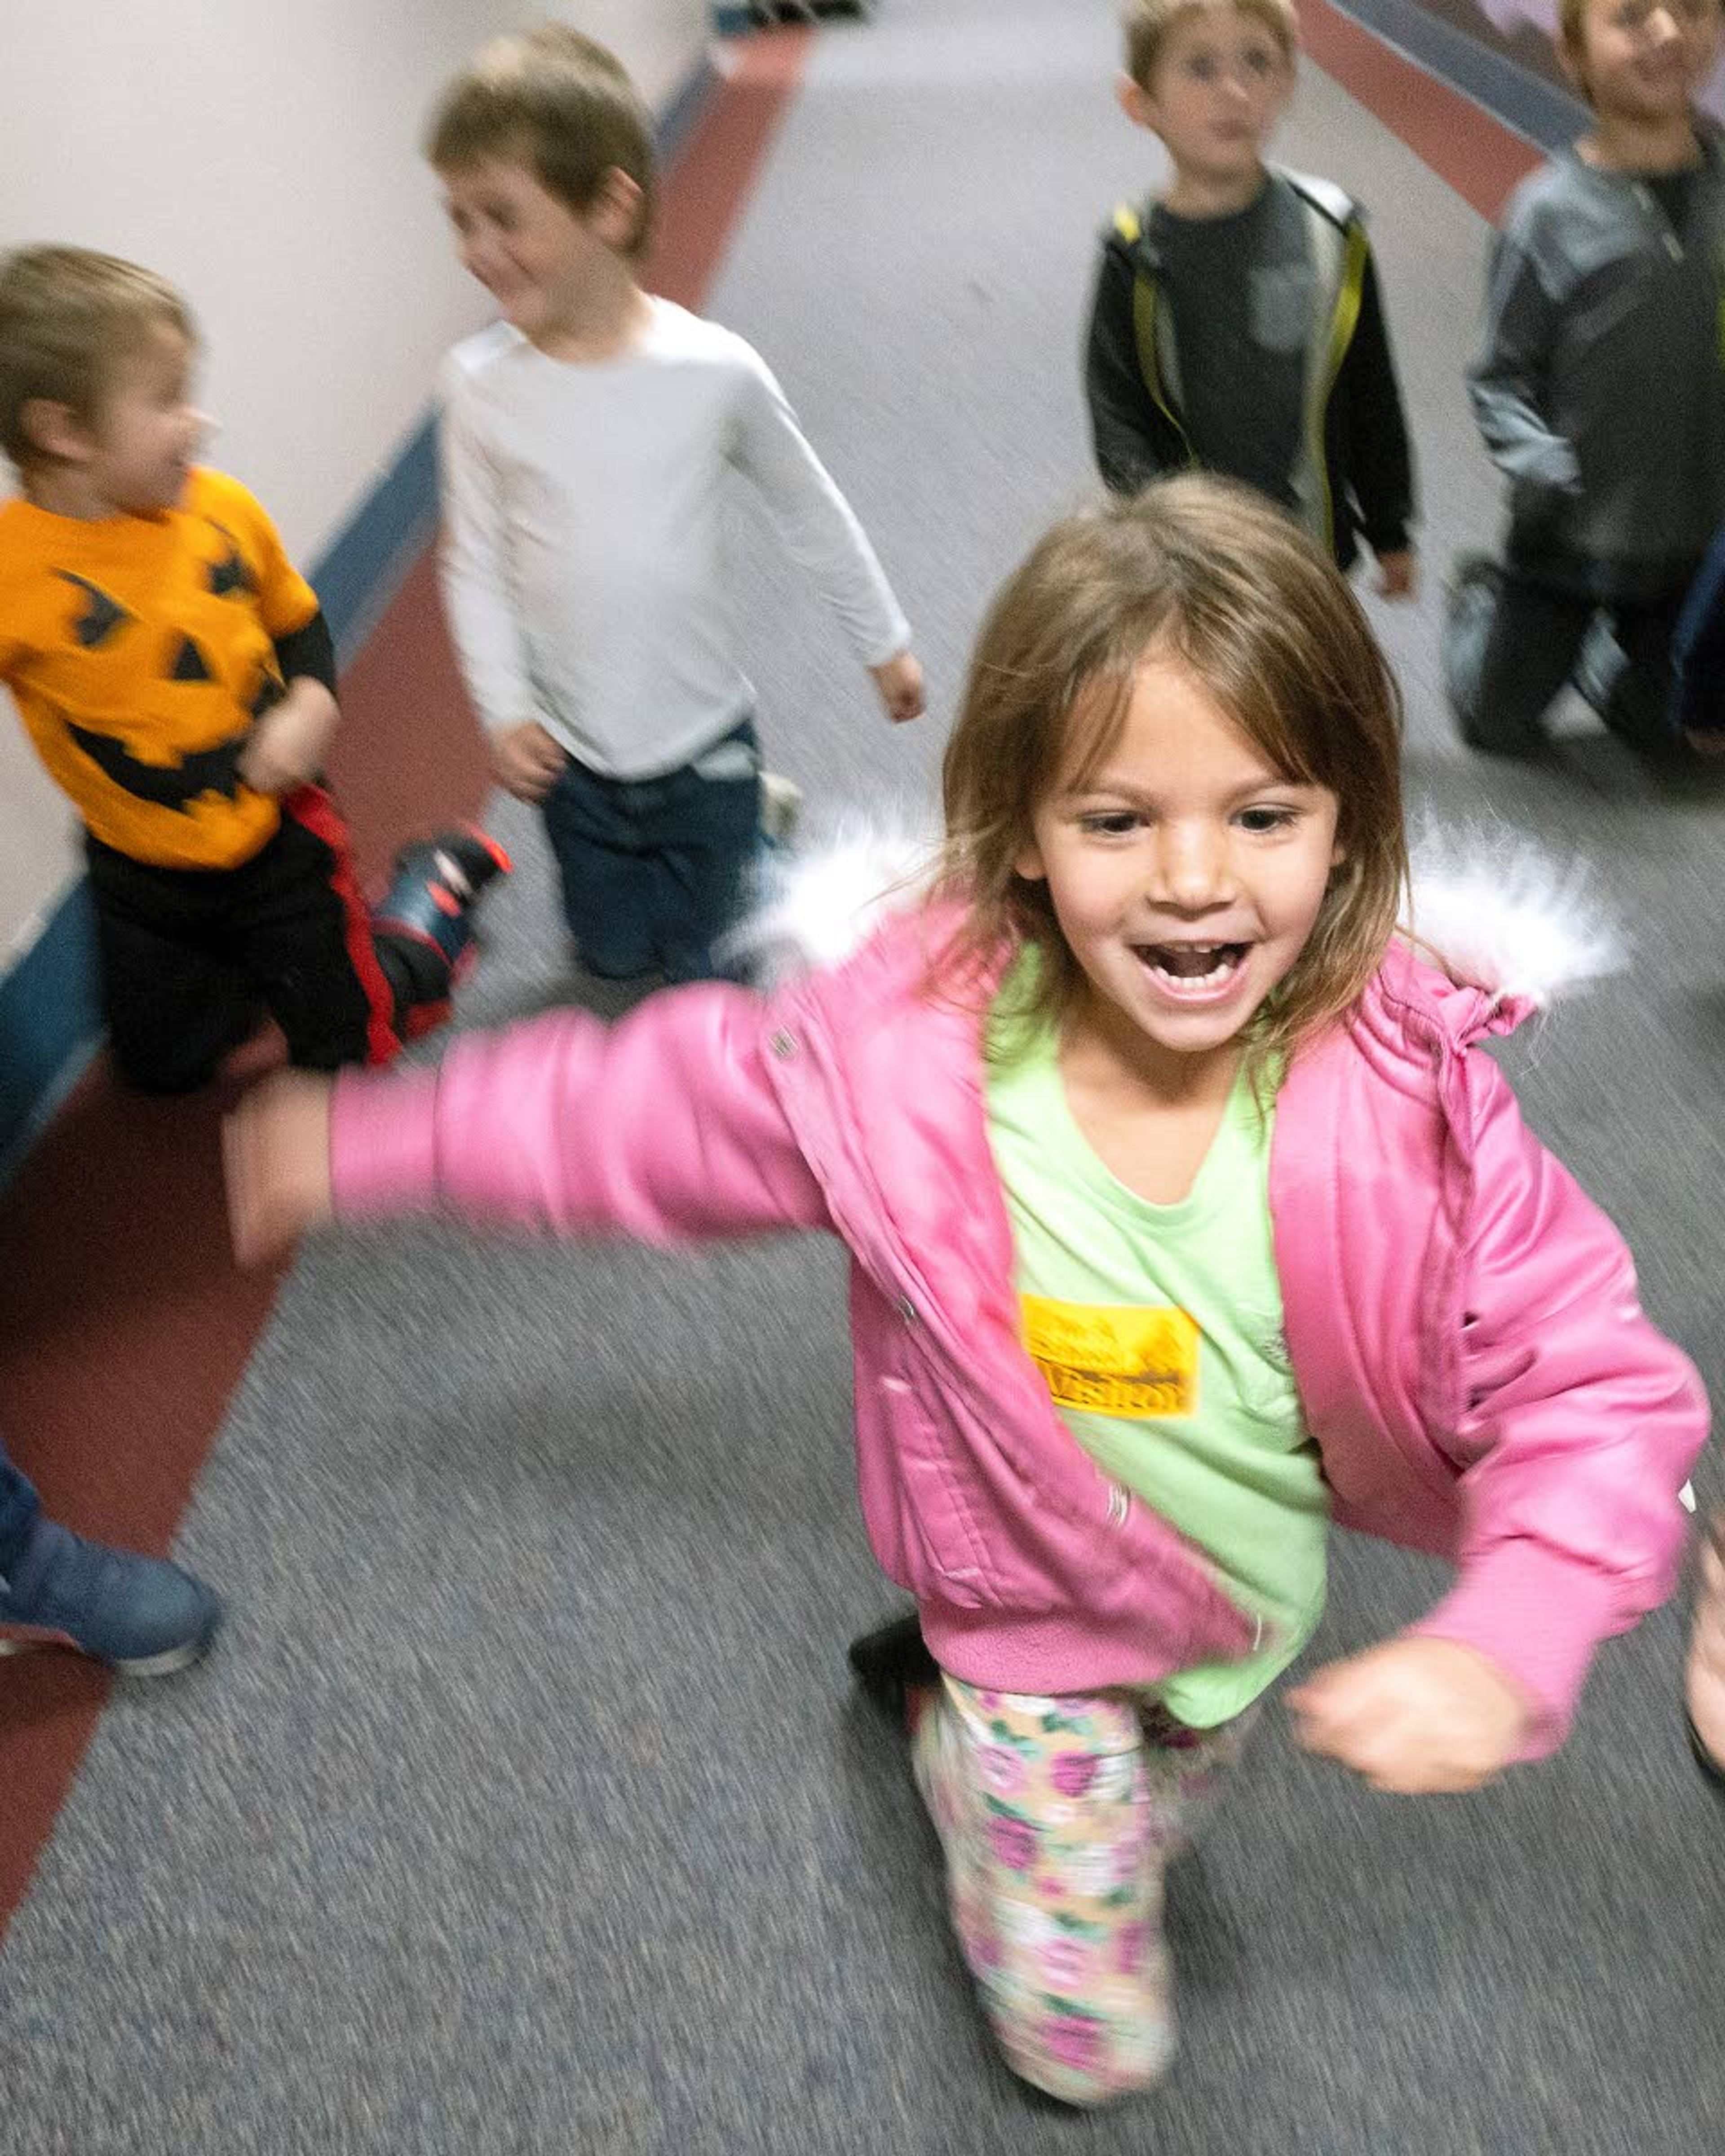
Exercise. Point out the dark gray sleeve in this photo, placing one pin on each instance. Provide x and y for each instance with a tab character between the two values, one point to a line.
1508	386
1382	459
1124	422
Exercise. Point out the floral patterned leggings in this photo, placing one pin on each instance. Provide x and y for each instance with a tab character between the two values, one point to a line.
1059	1818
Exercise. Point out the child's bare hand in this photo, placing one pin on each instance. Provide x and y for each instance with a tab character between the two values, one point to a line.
1396	575
1704	741
290	743
1414	1717
526	761
276	1147
900	682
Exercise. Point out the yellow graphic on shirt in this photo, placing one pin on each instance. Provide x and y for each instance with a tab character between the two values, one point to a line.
1123	1360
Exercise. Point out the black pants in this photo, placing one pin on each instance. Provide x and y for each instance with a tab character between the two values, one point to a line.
191	959
1513	644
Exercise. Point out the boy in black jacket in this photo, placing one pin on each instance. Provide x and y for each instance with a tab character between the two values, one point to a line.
1600	394
1237	324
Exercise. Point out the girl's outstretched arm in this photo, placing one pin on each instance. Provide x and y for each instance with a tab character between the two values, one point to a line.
275	1155
667	1126
1579	1424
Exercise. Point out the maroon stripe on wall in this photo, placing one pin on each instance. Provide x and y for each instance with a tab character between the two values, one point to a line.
1458	139
124	1325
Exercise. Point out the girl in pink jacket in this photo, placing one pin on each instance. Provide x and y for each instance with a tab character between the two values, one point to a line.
1184	1218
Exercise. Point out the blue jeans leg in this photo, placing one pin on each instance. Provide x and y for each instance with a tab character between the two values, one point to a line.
19	1505
603	871
711	829
653	869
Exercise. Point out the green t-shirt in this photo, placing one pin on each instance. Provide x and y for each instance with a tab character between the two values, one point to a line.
1159	1329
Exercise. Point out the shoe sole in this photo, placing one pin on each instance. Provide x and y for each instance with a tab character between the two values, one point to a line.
499	859
163	1664
781	809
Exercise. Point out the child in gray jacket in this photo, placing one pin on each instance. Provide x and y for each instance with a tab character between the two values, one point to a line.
1599	392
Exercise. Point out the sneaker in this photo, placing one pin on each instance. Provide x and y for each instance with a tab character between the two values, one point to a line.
1471	569
781	805
1472	593
893	1662
141	1615
462	861
1598	664
429	903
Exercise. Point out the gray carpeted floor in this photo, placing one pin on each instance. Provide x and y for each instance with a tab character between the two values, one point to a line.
525	1806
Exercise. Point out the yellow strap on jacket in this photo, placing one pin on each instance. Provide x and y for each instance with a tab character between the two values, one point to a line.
1339	251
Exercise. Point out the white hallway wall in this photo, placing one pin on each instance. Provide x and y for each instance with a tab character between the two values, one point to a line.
263	157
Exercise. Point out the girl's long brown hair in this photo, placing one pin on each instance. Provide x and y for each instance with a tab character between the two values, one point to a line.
1206	572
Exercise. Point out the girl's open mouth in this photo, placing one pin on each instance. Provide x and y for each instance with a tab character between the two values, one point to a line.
1194	973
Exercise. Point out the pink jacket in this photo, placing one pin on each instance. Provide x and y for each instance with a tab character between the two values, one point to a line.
1461	1321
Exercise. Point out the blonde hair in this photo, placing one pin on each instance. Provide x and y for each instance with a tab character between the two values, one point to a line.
1147	24
1211	575
69	317
559	103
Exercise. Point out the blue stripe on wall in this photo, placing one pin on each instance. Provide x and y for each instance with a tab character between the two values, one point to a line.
682	108
361	574
50	1022
1526	103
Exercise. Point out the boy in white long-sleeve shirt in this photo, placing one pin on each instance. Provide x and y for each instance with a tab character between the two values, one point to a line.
586	440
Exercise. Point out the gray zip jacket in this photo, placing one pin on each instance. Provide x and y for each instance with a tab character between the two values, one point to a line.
1600	391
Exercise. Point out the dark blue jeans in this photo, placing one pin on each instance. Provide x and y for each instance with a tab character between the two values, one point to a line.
653	869
18	1508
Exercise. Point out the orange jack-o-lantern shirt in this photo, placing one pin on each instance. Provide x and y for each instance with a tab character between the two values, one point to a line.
140	651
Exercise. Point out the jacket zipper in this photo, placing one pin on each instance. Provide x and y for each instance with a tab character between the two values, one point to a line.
1661	219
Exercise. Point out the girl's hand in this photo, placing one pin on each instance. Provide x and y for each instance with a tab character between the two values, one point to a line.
276	1146
1414	1717
900	682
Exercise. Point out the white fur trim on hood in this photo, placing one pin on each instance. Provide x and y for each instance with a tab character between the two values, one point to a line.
1500	912
813	907
1492	905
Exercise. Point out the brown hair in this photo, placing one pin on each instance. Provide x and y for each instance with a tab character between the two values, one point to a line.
1147	24
67	317
562	104
1572	42
1214	576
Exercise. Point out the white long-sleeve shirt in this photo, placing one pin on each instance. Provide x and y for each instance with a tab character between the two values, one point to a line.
582	546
